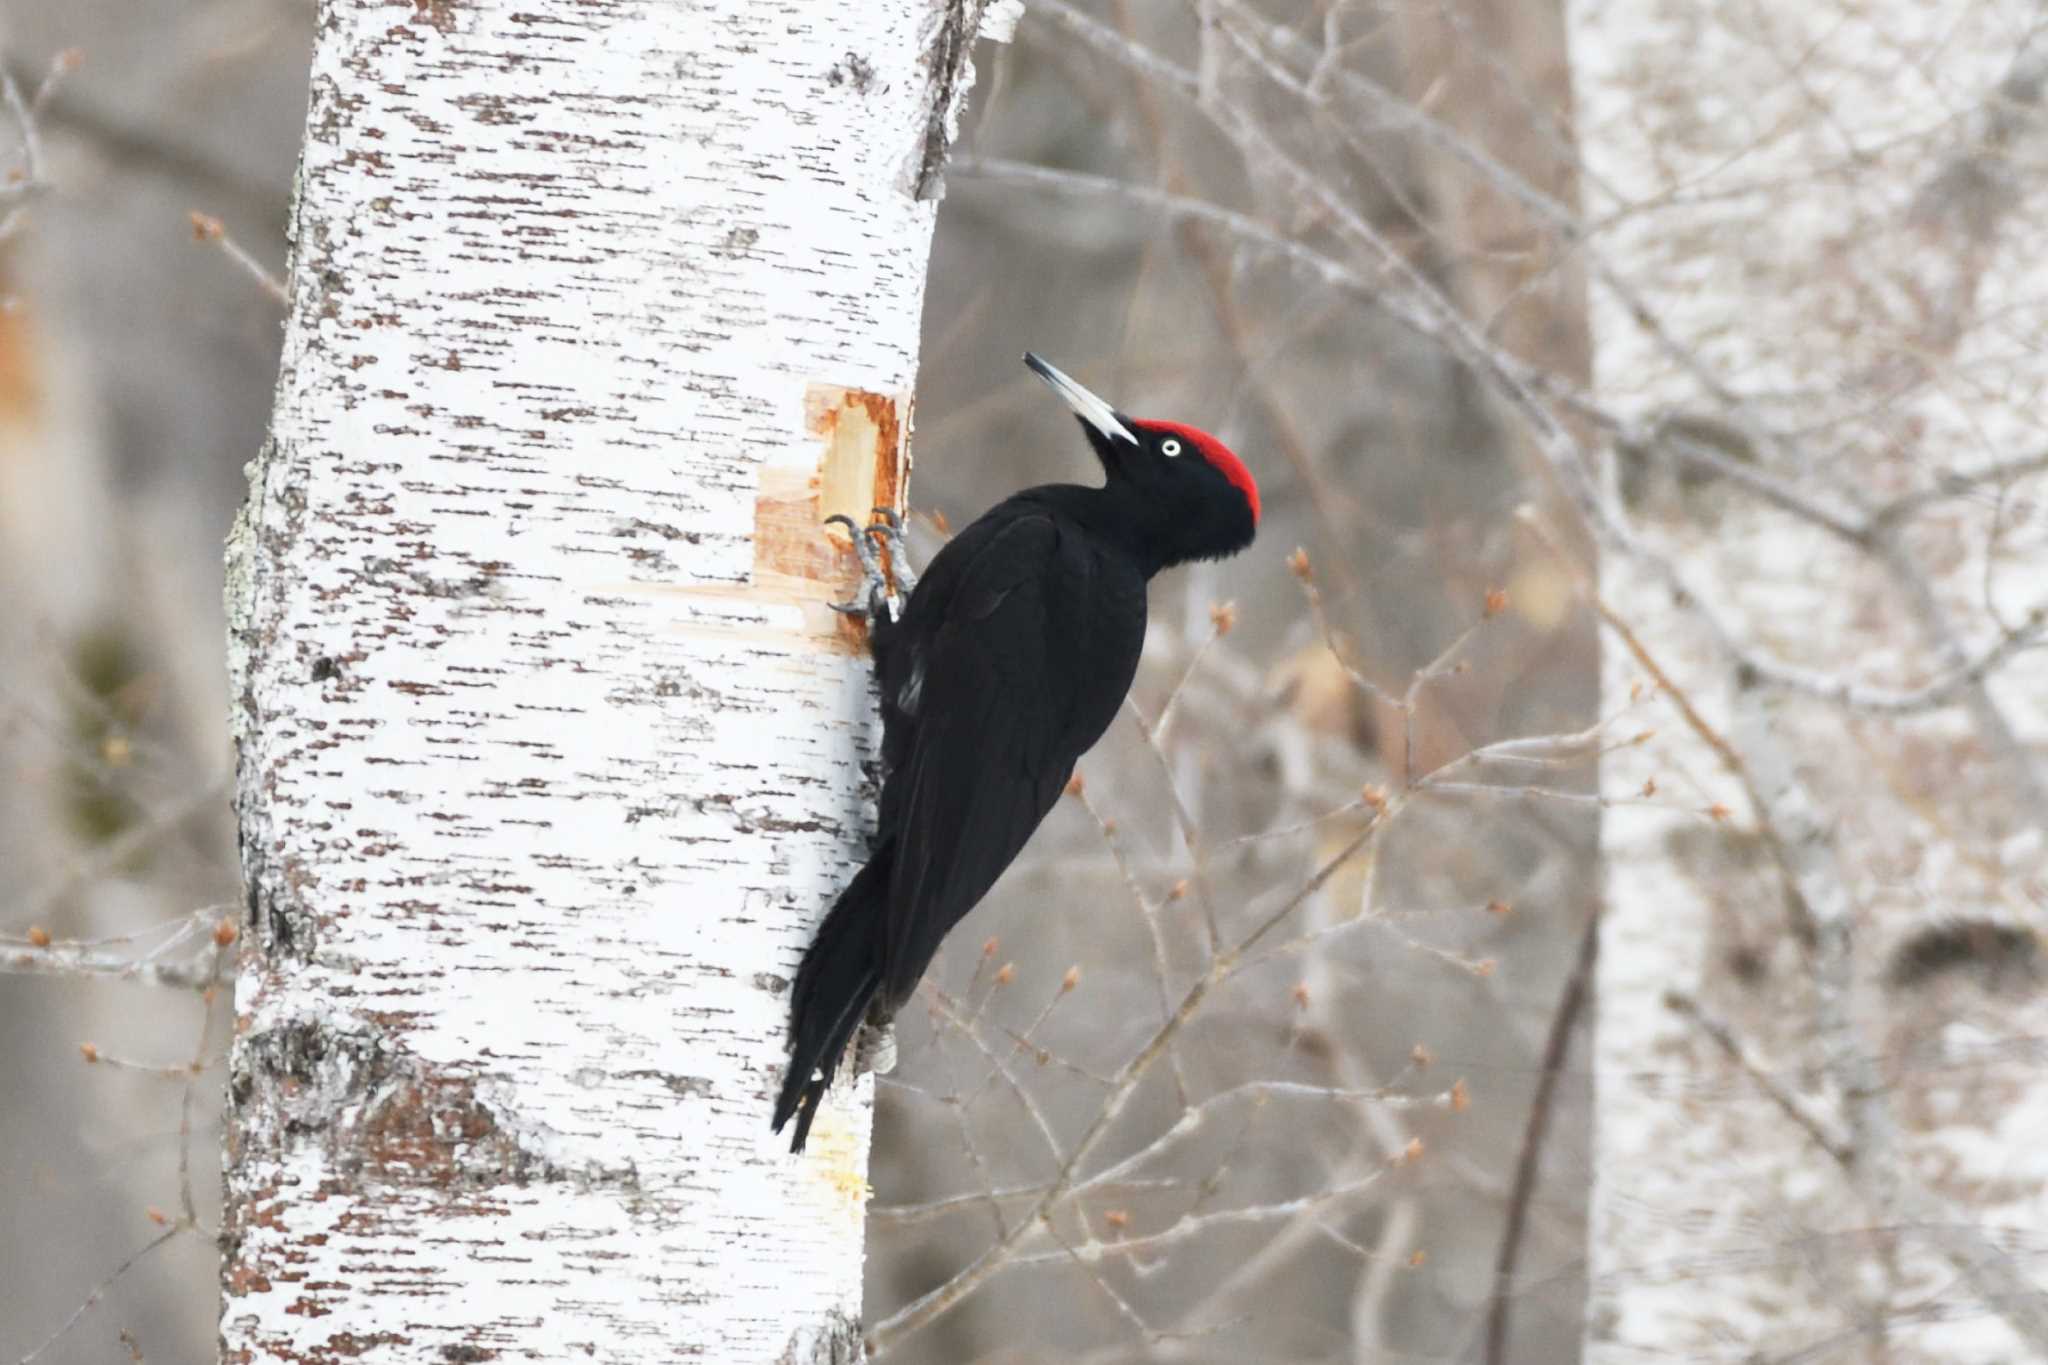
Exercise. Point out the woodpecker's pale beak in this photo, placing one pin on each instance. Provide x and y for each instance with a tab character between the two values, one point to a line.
1100	416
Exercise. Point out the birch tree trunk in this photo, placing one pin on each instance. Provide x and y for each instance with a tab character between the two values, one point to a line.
1821	1108
551	752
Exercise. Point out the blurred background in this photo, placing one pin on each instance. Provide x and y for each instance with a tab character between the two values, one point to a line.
138	346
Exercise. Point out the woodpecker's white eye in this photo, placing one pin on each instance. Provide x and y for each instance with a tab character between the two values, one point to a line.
1169	446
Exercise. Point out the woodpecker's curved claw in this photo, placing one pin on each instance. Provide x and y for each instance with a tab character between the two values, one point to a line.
891	534
874	603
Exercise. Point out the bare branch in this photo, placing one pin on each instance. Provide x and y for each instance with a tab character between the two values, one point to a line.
999	1069
1793	1108
1188	1228
934	1209
206	228
1958	483
1148	910
31	181
1184	821
1571	1003
133	1259
25	957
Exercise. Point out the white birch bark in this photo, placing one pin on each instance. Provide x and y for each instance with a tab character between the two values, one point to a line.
1820	1108
550	750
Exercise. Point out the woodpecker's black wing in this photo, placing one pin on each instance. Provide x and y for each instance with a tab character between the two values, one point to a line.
1017	662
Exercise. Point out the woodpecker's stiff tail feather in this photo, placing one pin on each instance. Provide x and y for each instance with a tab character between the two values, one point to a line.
837	980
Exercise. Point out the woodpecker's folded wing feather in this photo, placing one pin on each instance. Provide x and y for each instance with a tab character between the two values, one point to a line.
991	751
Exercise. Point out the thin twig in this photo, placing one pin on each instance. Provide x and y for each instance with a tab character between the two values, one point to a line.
934	1209
998	1070
1184	821
134	1259
1180	684
1086	1265
1148	911
25	124
187	1204
1958	483
24	957
1195	1225
1571	1003
206	228
19	190
1793	1108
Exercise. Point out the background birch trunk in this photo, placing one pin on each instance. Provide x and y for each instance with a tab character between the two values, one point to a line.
550	750
1821	991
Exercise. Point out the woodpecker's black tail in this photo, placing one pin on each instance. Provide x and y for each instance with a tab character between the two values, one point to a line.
839	976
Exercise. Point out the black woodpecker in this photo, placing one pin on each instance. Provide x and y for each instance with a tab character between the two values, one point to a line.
1009	658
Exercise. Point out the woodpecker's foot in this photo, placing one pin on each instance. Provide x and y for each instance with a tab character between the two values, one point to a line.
890	532
880	600
874	601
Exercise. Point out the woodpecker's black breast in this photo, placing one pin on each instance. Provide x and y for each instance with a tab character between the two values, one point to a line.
1010	660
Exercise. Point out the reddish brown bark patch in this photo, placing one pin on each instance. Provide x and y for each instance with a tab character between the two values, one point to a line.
434	1131
438	14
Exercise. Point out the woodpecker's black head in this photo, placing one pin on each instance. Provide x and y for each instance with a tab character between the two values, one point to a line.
1182	493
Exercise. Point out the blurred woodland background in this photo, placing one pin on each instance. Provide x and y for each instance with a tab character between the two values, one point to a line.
1375	1141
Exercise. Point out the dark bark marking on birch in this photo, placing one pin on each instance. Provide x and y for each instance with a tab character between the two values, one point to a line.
853	70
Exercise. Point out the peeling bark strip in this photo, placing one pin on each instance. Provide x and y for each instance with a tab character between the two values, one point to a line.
1820	1112
550	752
950	60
